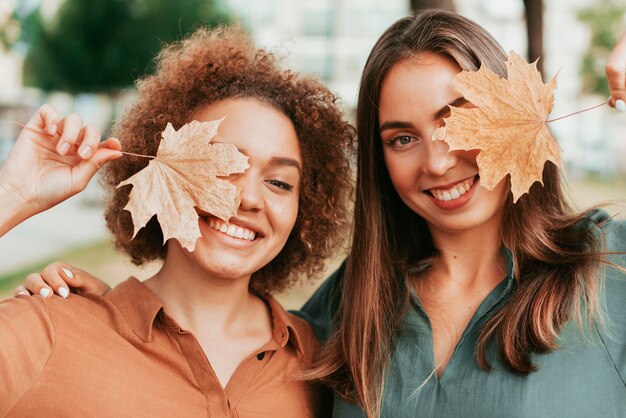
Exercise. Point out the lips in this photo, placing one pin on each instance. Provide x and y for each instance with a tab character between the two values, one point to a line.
454	191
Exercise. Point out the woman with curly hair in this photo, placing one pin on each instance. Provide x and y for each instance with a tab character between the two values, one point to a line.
203	336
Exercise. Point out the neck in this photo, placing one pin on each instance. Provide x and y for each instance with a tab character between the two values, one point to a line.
194	298
470	257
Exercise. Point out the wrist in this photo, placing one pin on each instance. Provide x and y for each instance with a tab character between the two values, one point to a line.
15	207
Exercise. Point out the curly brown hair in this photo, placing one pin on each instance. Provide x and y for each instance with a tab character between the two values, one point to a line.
213	65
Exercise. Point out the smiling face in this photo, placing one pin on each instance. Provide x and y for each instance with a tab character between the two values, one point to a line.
440	186
269	191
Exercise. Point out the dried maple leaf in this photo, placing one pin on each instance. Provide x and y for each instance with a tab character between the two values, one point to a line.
184	174
508	124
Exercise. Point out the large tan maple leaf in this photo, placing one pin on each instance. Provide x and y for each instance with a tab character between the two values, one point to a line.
183	175
508	124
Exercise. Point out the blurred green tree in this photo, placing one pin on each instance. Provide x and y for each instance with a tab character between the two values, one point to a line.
102	46
606	23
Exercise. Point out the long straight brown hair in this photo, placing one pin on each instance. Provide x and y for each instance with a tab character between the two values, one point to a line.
555	260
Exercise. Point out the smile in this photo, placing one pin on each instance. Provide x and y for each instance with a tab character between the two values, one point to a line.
232	230
454	192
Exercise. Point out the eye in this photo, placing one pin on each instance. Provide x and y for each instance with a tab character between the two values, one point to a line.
401	141
280	184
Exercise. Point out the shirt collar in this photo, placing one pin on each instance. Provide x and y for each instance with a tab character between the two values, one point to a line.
141	308
284	329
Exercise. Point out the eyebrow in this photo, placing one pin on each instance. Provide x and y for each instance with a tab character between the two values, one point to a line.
284	161
398	124
278	161
446	109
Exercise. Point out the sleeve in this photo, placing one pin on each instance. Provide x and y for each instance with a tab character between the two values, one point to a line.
613	328
26	341
319	310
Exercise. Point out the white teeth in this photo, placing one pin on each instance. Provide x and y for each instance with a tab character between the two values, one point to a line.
232	230
453	193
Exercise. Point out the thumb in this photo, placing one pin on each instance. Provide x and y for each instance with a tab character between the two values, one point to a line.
86	169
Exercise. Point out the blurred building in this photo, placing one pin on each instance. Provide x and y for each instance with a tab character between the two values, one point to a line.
332	39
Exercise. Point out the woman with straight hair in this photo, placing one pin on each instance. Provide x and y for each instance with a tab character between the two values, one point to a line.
455	301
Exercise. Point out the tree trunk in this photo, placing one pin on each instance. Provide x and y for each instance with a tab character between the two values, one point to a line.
417	5
534	31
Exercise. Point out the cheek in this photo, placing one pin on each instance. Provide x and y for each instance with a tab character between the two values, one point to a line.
283	216
402	171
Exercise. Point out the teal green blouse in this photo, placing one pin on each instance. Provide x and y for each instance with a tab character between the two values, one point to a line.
585	377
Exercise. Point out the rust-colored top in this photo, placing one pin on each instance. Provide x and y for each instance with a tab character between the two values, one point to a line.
122	355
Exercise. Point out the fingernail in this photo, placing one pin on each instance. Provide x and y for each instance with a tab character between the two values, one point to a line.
63	292
52	129
620	106
22	292
45	292
68	273
85	152
64	148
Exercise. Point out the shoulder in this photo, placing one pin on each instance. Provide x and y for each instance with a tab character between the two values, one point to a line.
26	342
610	232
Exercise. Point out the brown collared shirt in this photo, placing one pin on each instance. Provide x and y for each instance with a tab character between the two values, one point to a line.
122	355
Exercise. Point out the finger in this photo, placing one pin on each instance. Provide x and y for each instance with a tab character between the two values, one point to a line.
55	275
21	291
86	282
111	143
51	119
90	141
616	71
71	132
86	169
37	286
45	118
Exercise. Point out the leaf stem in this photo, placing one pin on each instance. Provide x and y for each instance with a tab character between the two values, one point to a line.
575	113
39	131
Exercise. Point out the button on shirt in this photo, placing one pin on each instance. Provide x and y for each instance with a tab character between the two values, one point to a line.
584	378
122	355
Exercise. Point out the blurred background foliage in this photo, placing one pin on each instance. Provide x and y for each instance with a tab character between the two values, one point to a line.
103	46
605	20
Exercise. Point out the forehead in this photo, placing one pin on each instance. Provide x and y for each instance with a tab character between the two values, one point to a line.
253	126
421	83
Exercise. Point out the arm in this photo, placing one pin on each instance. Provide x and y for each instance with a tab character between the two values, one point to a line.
616	75
53	158
27	340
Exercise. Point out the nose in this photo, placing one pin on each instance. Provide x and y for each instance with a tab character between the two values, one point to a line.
438	159
250	190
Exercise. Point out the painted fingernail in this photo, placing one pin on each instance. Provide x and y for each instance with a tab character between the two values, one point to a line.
68	273
45	292
64	148
85	152
63	292
620	106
